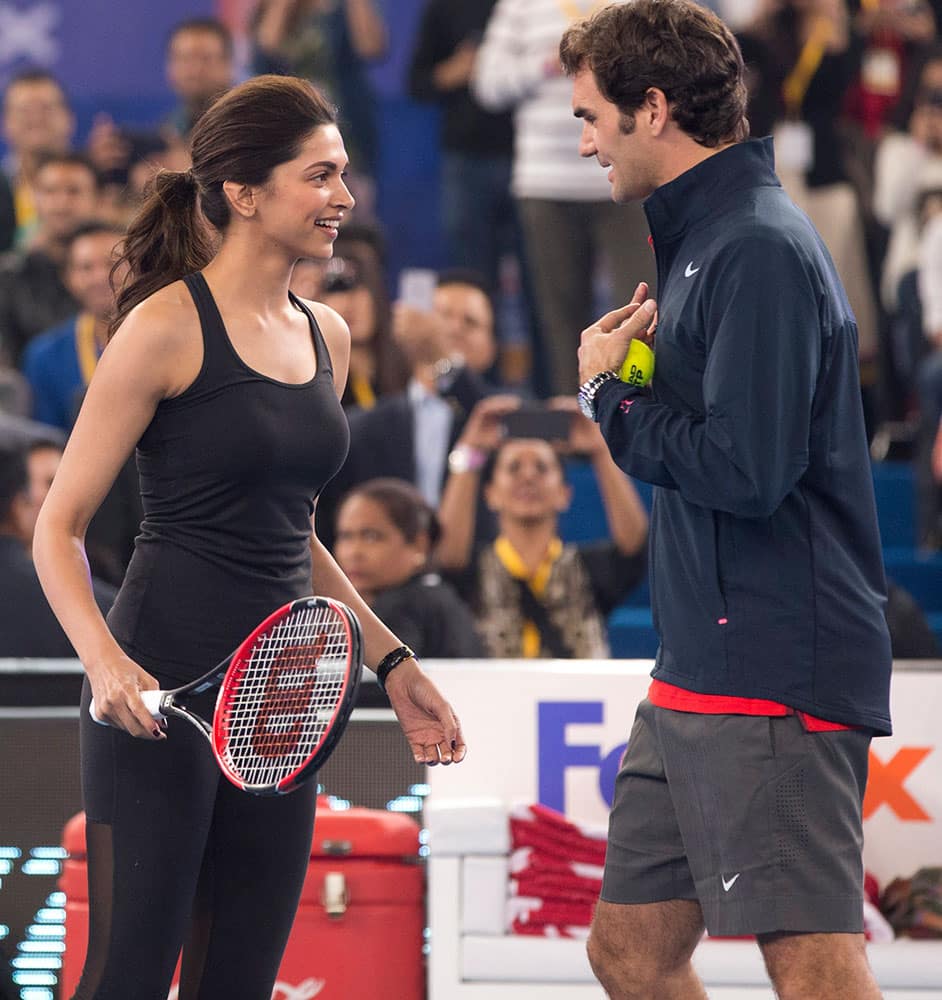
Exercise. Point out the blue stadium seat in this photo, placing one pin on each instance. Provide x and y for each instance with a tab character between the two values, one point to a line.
630	630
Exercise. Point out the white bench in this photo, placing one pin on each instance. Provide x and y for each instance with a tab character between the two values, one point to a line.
472	958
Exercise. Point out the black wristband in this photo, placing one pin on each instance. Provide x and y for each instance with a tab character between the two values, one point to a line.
389	663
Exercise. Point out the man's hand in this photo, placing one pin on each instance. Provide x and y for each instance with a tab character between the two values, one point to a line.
428	721
484	428
603	345
420	334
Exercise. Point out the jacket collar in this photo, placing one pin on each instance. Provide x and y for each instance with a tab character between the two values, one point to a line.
704	189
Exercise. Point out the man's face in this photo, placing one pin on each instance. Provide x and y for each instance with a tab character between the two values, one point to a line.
36	118
527	484
66	194
469	323
613	139
88	272
198	66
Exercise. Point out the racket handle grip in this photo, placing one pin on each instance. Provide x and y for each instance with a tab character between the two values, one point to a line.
151	701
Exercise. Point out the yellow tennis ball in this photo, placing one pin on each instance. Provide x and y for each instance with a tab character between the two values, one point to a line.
638	366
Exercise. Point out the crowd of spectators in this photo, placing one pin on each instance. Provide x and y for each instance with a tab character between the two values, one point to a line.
446	513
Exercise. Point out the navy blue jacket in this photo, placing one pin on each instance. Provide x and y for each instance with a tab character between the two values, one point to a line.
766	567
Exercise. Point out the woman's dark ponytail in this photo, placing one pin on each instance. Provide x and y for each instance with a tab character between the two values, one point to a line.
167	239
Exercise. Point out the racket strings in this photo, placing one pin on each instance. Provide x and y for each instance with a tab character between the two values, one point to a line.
281	700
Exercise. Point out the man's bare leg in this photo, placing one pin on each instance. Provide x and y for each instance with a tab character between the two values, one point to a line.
642	951
819	966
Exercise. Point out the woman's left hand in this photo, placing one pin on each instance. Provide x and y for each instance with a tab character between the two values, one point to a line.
428	721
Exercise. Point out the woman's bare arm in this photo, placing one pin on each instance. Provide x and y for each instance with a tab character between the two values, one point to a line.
367	29
150	358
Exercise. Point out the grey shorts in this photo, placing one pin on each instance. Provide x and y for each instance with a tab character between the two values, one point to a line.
753	816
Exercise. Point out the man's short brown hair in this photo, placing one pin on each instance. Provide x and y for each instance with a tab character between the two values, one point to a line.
677	46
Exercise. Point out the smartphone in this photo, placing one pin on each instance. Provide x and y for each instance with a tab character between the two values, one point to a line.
534	421
417	287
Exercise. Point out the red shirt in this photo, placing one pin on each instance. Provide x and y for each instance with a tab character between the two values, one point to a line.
681	700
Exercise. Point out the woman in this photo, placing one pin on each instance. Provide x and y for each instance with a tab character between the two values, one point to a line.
355	288
385	534
353	285
229	387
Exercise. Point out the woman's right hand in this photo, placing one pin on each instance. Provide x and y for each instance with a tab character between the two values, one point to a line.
116	687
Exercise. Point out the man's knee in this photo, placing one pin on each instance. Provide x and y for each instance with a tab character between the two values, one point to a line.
825	966
643	944
622	968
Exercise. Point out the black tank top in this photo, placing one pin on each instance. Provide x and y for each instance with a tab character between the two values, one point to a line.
229	470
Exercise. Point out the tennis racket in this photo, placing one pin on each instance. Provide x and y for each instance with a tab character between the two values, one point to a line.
285	696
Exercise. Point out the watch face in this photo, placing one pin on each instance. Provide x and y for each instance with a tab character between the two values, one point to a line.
585	404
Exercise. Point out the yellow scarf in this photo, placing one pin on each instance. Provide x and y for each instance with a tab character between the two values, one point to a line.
87	348
24	210
362	392
537	580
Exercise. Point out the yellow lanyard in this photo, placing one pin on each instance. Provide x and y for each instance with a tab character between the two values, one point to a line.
86	346
799	80
24	210
537	580
573	10
362	392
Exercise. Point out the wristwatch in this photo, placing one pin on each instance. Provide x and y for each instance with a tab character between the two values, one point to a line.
589	390
466	458
446	370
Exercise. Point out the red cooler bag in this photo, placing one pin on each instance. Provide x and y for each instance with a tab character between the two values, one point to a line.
358	932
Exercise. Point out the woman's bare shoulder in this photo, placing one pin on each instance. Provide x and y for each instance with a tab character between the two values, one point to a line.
329	320
164	329
337	337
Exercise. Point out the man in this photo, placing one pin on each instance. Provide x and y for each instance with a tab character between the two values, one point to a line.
571	234
443	387
199	67
533	595
37	121
32	295
408	435
466	312
59	363
478	213
27	625
738	804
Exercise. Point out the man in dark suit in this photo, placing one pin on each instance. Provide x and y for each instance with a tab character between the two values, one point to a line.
409	435
28	627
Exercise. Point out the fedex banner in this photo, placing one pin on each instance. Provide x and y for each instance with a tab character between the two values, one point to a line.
555	732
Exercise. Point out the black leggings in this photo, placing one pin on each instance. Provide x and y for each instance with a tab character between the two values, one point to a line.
178	856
